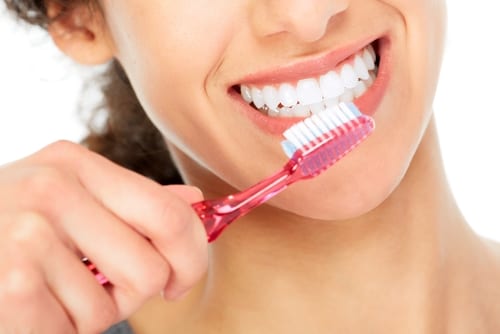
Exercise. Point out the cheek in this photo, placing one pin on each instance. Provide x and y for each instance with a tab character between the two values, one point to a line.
164	53
169	60
425	32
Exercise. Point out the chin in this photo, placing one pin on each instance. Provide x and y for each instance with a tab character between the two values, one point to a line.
332	205
348	190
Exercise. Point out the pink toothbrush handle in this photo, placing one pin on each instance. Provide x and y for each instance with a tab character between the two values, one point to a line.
217	214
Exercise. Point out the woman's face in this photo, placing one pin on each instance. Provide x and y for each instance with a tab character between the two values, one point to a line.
196	64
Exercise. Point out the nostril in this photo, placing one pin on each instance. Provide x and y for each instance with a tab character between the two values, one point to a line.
308	25
307	21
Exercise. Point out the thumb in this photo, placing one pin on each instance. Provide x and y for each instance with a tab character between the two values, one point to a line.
190	194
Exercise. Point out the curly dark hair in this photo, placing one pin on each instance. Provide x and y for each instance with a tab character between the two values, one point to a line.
128	137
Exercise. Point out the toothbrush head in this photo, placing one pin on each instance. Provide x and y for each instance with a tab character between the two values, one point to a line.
322	139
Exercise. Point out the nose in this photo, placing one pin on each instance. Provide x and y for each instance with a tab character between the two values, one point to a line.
306	20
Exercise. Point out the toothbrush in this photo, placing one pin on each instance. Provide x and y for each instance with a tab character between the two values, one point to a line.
312	145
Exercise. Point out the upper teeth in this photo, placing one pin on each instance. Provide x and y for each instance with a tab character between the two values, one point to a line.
314	94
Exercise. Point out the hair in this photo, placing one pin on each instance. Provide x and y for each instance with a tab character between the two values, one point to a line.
128	137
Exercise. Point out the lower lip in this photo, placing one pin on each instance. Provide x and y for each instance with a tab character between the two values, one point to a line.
368	103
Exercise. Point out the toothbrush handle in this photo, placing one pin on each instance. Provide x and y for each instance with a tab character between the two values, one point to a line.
217	214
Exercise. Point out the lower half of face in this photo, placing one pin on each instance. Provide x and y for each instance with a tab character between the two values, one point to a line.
221	88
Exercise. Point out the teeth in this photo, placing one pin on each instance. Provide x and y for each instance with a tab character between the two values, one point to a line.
348	96
271	98
331	85
257	98
312	95
349	77
331	102
300	111
273	113
370	80
370	49
369	58
288	95
359	90
308	92
317	107
360	68
246	92
369	61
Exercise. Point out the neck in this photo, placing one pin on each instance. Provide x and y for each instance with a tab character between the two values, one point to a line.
394	260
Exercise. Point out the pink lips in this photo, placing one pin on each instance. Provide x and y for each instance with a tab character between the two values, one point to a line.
367	103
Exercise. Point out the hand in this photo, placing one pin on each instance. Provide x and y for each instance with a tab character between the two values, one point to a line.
65	202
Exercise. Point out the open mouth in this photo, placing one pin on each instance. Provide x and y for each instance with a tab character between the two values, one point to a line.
348	81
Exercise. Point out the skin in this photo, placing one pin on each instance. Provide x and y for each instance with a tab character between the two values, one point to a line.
369	239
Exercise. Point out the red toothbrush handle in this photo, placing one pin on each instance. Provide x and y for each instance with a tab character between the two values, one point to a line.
217	214
214	221
99	277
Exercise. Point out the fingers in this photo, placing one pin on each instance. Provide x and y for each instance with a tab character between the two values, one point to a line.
66	202
28	302
22	302
87	303
184	244
187	193
133	197
161	214
130	262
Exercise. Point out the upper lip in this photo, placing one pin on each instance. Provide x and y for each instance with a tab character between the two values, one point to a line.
307	68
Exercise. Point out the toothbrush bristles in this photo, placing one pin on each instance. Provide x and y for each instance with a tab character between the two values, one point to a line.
325	137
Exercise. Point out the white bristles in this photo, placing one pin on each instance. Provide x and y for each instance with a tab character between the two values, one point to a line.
317	132
336	119
343	117
350	112
295	136
317	125
327	118
302	127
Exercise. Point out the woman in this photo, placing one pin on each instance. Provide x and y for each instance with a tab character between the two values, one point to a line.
375	244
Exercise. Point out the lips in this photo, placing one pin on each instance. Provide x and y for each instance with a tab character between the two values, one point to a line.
346	82
276	99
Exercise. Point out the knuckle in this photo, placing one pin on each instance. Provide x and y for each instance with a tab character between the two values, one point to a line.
152	278
191	267
60	148
190	276
149	276
27	237
27	229
159	277
45	183
176	219
20	285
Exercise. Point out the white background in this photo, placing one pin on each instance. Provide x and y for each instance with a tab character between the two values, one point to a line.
39	88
